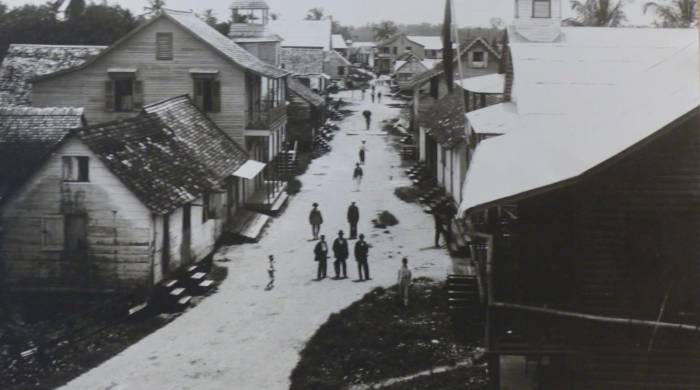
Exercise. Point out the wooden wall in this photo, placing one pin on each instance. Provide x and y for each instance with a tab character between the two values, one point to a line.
161	79
120	234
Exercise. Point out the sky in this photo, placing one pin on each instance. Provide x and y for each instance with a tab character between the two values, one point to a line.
360	12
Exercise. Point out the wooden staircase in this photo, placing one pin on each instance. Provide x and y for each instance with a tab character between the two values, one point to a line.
287	163
176	294
463	301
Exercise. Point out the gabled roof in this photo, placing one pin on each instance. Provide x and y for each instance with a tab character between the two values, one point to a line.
147	157
302	61
445	121
439	69
393	39
431	42
640	83
205	140
202	32
27	137
488	84
305	93
338	57
303	33
499	118
24	62
339	42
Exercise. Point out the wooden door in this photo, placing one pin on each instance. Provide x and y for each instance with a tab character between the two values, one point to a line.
186	245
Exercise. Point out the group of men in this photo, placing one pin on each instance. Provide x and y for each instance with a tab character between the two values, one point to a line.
341	250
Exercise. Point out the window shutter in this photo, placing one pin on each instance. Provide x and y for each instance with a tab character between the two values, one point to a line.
138	94
109	96
52	235
164	46
198	93
216	96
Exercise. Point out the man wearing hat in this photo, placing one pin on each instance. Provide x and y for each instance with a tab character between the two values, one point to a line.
321	256
361	256
316	220
353	219
341	252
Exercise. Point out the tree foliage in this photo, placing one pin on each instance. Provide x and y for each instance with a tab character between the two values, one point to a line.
154	6
676	13
317	13
598	13
97	24
384	30
75	9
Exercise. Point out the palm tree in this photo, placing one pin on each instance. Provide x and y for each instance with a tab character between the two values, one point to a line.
679	13
154	7
384	30
600	13
209	17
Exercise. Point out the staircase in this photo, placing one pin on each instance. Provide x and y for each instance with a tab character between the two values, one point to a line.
176	294
287	163
464	302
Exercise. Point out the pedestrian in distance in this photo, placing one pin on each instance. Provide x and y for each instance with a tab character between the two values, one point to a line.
341	253
357	176
364	90
353	219
361	257
379	97
404	281
374	88
321	257
271	273
368	117
363	152
316	220
439	225
372	95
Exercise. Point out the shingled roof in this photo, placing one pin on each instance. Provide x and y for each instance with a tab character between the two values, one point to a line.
305	93
205	140
302	61
24	62
27	137
202	32
445	121
146	156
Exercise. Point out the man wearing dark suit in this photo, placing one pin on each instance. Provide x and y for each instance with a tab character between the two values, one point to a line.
321	256
341	252
361	256
353	218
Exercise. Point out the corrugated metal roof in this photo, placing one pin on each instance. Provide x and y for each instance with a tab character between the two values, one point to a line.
602	91
303	33
490	84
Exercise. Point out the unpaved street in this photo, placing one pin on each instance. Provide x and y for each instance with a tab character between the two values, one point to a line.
246	338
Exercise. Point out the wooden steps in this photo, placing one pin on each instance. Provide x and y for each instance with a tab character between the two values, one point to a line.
177	294
249	225
464	301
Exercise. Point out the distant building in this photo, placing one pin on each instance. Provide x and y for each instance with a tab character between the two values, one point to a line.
407	68
339	45
336	66
249	29
362	54
307	113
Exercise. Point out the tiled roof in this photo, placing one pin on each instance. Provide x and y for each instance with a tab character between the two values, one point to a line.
24	62
27	137
302	61
445	121
224	45
305	93
206	141
146	156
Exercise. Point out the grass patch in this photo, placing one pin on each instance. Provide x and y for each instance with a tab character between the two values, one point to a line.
376	339
407	194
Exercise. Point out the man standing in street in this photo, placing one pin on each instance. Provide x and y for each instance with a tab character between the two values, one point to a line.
340	252
363	152
439	225
321	256
361	256
368	117
404	281
353	219
357	177
316	220
379	97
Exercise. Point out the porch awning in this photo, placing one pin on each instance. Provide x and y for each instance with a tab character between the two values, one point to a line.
250	169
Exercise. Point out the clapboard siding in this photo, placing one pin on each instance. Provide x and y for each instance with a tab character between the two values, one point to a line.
161	79
119	230
303	120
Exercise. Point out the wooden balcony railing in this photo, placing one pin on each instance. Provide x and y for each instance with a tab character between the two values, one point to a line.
264	117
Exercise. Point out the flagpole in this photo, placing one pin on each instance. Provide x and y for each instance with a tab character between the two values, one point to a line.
455	31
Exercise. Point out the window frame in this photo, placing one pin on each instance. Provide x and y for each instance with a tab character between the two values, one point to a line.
198	84
534	8
111	87
341	71
78	169
169	55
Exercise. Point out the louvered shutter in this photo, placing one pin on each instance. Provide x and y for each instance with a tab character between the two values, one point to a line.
109	96
215	96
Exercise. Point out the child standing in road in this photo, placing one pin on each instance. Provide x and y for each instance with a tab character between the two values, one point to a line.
271	273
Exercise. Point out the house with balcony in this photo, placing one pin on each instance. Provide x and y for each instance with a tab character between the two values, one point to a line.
581	213
175	53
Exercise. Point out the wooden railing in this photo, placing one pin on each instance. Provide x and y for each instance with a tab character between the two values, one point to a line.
262	118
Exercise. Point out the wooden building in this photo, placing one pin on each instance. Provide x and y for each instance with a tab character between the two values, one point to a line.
117	206
339	45
583	214
307	113
362	54
336	66
389	50
176	53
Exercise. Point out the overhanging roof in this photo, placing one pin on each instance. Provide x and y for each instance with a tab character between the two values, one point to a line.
249	169
489	84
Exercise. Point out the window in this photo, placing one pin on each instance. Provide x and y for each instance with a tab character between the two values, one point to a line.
123	93
409	48
478	56
435	87
341	70
541	8
395	49
213	206
76	169
52	233
75	232
207	93
386	50
164	46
